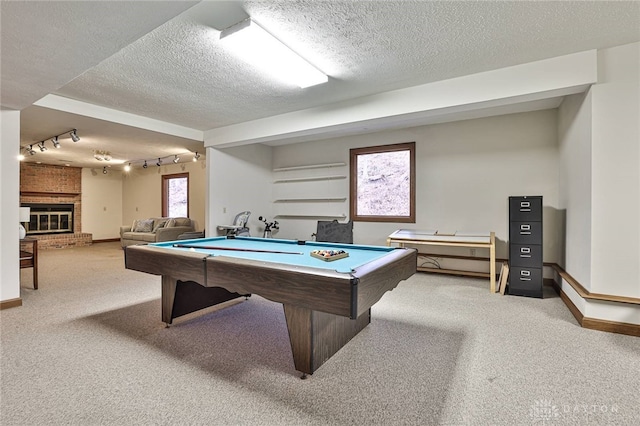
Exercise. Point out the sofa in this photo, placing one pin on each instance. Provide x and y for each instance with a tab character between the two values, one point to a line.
155	229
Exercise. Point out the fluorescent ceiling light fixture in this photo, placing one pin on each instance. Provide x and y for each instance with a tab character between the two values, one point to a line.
258	47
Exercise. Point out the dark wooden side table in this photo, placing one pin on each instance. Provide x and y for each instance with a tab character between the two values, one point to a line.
29	257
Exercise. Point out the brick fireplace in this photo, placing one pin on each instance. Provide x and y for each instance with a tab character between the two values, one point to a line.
46	187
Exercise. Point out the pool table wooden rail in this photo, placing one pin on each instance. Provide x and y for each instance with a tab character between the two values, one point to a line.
183	265
324	290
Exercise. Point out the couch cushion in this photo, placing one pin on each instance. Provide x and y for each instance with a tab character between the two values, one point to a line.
145	225
149	237
178	221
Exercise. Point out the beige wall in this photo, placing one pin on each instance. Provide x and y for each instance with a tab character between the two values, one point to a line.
239	180
101	203
465	172
142	196
600	186
9	194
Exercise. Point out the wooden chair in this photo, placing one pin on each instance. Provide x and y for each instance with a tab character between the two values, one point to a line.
29	259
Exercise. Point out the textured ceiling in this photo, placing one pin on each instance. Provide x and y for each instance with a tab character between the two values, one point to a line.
178	72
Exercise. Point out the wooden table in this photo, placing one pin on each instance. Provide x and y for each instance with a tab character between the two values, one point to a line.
29	259
404	237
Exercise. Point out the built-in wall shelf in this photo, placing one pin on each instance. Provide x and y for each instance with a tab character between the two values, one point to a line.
310	178
308	216
311	200
310	166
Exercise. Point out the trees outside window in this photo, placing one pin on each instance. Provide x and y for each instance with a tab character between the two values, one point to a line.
175	195
382	186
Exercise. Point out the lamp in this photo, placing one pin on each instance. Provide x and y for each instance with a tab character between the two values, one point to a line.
74	135
258	47
42	147
144	166
102	155
159	162
176	159
127	168
55	142
196	156
24	216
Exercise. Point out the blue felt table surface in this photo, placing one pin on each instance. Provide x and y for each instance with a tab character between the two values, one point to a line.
358	254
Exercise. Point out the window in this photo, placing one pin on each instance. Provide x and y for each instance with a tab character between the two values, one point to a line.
175	195
383	183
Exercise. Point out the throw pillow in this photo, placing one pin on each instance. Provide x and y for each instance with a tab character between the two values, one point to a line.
170	223
144	225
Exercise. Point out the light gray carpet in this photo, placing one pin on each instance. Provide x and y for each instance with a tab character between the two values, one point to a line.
89	348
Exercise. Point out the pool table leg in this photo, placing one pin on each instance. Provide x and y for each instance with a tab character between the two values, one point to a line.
316	336
183	297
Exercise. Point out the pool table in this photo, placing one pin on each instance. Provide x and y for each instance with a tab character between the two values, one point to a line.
326	303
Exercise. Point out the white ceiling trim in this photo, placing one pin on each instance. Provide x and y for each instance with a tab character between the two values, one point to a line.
108	114
548	78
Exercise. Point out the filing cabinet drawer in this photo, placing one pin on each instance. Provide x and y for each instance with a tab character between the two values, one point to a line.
525	255
522	209
525	232
527	278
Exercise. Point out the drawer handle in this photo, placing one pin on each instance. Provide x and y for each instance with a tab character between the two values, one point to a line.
525	273
525	227
525	206
525	279
525	250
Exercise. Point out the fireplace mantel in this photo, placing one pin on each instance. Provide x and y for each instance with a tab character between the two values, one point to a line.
49	194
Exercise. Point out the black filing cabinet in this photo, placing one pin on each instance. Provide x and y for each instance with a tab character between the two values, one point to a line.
525	246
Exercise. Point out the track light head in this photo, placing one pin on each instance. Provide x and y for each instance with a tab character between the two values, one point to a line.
56	143
74	135
159	163
196	156
104	170
127	168
176	159
42	147
144	166
31	151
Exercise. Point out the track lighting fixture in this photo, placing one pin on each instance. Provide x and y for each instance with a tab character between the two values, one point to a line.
160	160
104	170
55	141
